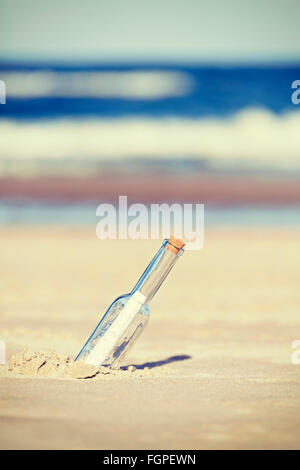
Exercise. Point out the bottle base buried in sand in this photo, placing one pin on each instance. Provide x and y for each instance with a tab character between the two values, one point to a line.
118	330
128	315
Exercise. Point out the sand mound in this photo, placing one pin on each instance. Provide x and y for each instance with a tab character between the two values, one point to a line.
50	364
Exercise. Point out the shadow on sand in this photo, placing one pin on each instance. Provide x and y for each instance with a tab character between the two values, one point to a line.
163	362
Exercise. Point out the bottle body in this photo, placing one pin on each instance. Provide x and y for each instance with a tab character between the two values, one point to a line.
119	342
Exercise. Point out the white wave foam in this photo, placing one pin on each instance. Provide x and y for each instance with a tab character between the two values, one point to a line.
146	85
252	135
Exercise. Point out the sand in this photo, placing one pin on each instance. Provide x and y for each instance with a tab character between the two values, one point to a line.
212	370
50	364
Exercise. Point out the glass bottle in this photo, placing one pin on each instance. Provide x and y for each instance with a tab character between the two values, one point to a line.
128	315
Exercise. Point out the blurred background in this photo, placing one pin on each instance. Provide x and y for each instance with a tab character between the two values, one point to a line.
162	101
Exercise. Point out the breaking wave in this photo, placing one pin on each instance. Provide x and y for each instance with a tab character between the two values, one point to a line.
252	135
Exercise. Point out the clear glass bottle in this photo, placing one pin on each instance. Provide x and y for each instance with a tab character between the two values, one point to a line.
128	315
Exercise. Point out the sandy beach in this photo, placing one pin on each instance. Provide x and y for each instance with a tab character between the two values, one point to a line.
214	365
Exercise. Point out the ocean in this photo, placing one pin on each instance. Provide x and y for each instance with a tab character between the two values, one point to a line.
88	119
53	91
223	115
36	213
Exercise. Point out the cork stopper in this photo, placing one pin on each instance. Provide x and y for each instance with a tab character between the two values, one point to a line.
174	245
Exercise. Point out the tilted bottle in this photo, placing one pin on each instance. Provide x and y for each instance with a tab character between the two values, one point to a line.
128	315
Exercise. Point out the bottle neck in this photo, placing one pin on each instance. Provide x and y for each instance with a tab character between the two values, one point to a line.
158	269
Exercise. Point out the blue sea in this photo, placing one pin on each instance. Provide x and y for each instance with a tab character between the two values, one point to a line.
53	91
82	118
84	214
